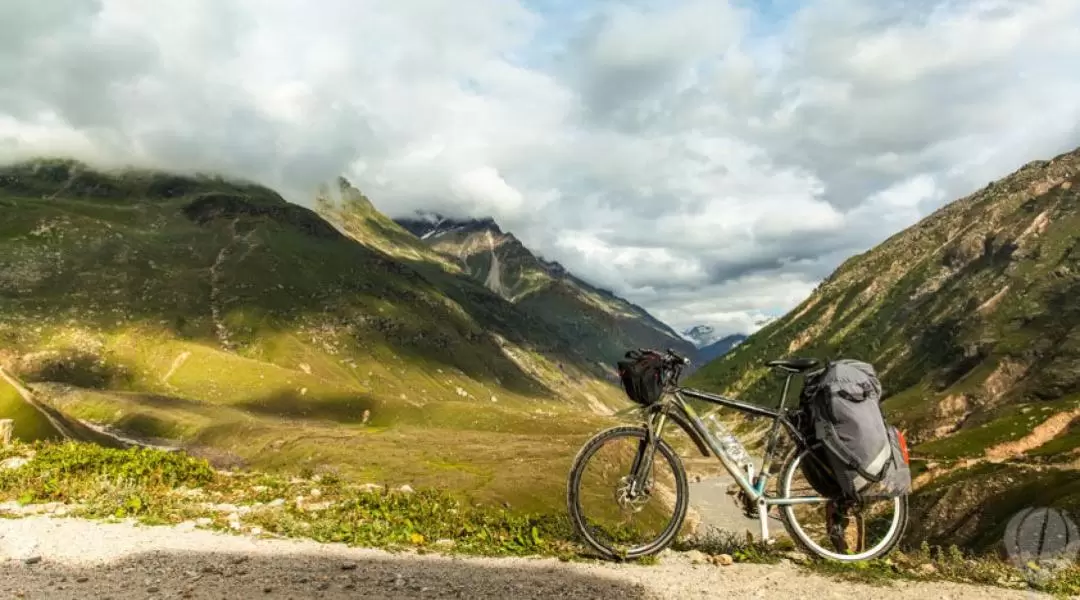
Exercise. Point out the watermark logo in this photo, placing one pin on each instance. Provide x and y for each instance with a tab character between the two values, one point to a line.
1041	541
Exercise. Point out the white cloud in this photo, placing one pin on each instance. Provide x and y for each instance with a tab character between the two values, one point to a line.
704	160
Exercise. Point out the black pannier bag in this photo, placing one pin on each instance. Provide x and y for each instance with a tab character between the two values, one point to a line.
866	457
641	374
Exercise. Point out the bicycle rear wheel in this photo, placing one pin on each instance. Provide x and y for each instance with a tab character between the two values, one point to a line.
816	538
664	495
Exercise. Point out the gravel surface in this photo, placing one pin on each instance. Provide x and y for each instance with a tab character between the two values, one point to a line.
59	558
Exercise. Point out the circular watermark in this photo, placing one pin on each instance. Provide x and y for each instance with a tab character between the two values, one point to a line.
1041	541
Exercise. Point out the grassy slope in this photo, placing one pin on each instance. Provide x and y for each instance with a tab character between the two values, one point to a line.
970	317
598	322
215	314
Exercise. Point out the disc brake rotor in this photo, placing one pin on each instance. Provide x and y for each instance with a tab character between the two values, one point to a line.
626	500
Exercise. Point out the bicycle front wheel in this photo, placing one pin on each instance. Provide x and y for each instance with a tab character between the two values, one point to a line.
601	500
828	532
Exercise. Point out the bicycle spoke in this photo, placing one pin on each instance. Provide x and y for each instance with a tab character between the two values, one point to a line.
612	513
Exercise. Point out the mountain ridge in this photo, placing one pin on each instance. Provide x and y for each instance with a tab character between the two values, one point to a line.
215	315
581	310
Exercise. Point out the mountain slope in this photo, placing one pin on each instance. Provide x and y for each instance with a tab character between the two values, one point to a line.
597	322
720	347
972	320
217	315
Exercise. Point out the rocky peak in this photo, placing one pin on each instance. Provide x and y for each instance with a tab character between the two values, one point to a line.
426	225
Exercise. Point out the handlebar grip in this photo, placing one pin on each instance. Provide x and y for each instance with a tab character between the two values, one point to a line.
681	359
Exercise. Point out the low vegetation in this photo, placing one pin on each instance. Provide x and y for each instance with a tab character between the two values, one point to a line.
158	487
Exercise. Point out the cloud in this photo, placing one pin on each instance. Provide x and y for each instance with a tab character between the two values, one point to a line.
710	160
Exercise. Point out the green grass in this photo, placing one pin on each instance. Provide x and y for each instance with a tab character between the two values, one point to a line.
157	487
1013	423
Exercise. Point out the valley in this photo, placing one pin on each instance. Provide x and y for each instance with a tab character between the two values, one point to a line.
213	316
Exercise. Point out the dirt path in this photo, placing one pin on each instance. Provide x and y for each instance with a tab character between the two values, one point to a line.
717	510
73	558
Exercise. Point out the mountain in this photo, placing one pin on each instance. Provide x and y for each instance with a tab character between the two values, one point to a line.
720	347
972	319
215	315
701	335
597	322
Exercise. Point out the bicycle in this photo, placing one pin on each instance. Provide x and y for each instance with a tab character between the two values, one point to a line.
633	493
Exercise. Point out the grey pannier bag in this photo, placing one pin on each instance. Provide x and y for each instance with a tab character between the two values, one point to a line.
868	456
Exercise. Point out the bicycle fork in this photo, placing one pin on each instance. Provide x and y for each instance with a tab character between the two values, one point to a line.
643	459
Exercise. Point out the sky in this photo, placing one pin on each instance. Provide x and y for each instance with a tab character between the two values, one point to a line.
709	160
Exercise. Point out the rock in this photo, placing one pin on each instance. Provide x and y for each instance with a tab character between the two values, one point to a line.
83	579
13	463
276	502
796	557
204	522
723	560
349	566
927	569
315	493
370	487
696	557
32	559
406	489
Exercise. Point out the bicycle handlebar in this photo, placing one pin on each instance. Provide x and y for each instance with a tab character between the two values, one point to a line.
676	358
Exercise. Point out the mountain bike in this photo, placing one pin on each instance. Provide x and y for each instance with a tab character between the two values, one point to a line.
633	490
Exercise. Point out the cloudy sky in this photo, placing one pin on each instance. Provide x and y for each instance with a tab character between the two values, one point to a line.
710	160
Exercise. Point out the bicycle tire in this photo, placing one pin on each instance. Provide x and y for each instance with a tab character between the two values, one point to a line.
573	499
783	488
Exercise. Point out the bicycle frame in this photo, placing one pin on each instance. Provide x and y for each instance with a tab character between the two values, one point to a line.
678	410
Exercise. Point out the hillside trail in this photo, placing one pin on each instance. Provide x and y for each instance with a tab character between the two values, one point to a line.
62	558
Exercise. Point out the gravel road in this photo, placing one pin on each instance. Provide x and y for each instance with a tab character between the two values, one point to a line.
60	558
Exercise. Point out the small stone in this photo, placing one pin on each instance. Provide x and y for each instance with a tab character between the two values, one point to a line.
14	462
927	569
723	560
267	589
696	557
315	493
796	557
322	586
405	489
82	579
349	566
31	560
152	589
